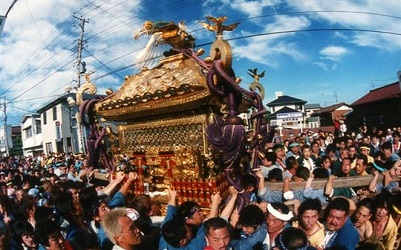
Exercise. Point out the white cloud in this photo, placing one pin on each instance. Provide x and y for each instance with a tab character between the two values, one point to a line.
252	8
340	35
38	46
26	60
358	15
267	49
333	53
322	65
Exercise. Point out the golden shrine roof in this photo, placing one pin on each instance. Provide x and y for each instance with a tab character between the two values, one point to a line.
178	83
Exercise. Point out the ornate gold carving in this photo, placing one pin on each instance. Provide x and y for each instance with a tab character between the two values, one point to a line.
152	156
218	27
173	104
256	84
157	88
170	33
86	87
221	50
169	135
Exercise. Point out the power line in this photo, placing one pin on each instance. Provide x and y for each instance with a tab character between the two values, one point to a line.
179	3
306	30
11	6
319	11
111	71
37	51
12	85
35	98
265	34
35	85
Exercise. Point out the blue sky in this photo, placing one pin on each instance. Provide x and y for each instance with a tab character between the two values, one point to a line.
357	49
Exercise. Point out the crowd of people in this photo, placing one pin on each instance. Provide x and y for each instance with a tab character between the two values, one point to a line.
54	201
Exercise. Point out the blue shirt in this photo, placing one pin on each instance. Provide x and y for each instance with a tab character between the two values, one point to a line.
315	194
248	242
198	242
271	196
346	238
117	201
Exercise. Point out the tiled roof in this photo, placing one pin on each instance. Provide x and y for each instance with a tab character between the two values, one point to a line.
331	108
385	92
285	110
16	130
312	106
285	100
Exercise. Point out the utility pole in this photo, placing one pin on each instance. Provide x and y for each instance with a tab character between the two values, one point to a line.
5	127
79	64
80	67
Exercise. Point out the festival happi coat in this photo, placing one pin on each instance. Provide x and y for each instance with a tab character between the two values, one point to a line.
180	124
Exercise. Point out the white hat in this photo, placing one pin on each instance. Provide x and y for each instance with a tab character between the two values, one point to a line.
132	214
33	192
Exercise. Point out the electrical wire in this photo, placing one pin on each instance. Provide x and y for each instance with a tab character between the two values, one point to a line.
310	30
35	85
122	23
111	71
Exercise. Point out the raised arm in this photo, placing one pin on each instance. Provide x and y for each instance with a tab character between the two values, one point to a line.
234	218
171	206
386	178
328	189
214	209
132	176
113	184
286	185
228	209
373	181
173	197
308	182
261	181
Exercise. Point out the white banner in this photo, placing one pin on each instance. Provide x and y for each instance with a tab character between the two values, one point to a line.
289	115
2	21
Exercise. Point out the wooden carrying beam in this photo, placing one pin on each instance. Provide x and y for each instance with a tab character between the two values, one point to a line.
354	181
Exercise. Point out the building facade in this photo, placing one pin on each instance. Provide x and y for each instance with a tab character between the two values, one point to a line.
31	134
380	107
5	140
10	141
287	112
59	126
328	114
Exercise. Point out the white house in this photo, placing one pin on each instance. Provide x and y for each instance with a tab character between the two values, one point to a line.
312	121
287	112
5	140
60	132
311	108
31	134
59	125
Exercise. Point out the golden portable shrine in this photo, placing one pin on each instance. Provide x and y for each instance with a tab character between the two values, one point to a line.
180	118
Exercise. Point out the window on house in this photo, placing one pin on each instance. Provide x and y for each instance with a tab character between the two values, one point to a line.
54	113
49	148
38	127
28	132
44	118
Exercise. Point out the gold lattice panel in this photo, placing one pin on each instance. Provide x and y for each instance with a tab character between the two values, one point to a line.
165	135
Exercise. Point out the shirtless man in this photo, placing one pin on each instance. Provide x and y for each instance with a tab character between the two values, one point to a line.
384	228
361	218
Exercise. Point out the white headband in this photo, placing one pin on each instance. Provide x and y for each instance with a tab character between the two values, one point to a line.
278	215
132	214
